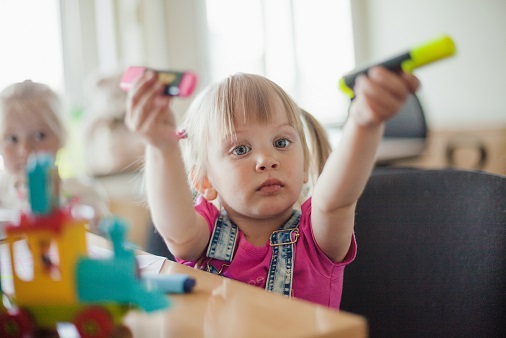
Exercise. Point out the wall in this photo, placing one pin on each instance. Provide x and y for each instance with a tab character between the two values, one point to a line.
462	92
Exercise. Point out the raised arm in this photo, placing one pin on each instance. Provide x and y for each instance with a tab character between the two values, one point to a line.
169	197
379	96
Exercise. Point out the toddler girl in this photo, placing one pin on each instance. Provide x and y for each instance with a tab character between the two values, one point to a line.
247	157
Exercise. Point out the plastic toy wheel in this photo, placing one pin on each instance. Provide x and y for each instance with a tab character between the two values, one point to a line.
94	322
16	324
121	331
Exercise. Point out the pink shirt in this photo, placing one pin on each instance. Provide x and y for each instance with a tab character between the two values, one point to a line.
315	277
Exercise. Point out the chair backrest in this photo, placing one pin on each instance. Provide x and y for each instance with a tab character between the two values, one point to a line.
431	259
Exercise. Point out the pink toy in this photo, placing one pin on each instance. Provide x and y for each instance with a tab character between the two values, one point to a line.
177	83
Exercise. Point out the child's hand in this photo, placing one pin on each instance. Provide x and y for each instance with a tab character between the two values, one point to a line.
148	113
380	95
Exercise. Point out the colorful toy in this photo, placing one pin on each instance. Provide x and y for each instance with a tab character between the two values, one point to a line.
68	285
176	83
426	53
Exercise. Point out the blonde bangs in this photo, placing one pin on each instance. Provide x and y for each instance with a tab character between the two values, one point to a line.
247	98
36	99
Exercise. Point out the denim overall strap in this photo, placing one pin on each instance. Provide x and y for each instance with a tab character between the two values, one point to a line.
223	239
280	275
279	278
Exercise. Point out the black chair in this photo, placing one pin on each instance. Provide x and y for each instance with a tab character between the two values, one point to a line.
156	245
431	259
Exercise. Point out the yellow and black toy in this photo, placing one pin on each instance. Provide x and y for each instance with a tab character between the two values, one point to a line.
421	55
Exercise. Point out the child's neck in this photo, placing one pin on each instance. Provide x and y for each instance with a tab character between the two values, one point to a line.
258	231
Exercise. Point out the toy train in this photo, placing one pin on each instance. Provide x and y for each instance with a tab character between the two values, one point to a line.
67	284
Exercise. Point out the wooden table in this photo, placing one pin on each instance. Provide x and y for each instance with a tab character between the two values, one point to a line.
221	307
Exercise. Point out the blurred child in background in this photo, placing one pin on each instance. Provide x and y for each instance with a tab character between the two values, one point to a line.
31	121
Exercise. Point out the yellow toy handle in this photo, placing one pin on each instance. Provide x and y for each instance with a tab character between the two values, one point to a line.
429	52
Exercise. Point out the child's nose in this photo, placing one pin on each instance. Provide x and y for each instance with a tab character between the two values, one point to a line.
267	163
24	148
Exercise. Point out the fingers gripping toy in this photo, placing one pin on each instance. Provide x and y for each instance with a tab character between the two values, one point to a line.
93	294
426	53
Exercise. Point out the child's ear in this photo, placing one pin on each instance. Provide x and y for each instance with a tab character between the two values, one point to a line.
306	171
206	189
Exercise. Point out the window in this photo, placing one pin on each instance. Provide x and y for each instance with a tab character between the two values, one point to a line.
31	42
304	46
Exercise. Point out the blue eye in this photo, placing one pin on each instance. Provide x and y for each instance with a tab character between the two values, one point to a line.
282	143
241	150
11	139
39	136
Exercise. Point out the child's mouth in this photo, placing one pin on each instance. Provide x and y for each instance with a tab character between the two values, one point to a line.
270	185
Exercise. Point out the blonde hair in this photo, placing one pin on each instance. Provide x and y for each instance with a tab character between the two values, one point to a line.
39	99
248	98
